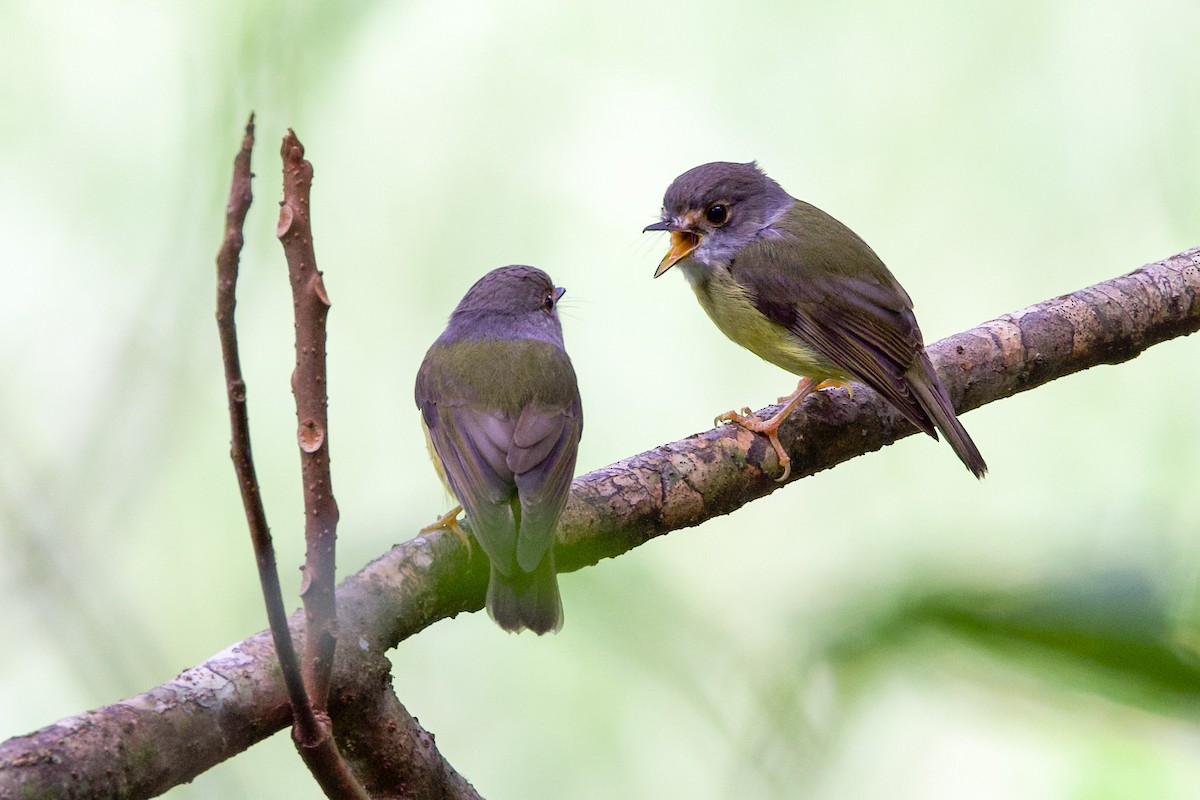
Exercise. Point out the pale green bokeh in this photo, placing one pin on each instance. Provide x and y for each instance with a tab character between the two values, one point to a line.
994	156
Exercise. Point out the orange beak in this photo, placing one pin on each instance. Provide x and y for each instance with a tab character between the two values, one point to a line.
682	244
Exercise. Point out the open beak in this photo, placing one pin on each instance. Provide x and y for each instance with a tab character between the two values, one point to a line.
682	244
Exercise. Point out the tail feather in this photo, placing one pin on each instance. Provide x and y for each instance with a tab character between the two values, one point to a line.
526	599
934	398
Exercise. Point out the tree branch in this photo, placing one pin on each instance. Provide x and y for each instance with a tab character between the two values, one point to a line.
240	198
219	708
311	305
312	729
144	745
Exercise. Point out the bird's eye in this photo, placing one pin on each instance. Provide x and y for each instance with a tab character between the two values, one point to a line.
548	302
717	214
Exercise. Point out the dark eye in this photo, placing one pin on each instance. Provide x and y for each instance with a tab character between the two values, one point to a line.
548	302
717	214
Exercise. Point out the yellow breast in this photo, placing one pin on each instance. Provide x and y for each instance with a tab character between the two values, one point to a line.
438	467
730	306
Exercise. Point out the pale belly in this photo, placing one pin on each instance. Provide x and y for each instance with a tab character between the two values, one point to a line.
734	313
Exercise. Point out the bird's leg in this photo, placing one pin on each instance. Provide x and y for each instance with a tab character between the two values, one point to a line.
449	522
830	384
771	426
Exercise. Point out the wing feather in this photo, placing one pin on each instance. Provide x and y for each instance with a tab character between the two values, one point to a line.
840	300
511	472
543	461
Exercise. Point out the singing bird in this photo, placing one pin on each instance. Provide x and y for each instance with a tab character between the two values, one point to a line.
797	288
502	416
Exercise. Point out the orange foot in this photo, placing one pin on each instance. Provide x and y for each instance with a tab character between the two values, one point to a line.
770	427
449	522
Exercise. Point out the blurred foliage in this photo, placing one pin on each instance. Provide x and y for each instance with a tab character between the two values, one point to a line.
1114	632
887	629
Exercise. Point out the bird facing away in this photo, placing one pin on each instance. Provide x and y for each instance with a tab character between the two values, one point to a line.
502	416
799	289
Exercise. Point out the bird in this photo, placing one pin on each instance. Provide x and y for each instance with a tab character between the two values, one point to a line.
797	288
500	405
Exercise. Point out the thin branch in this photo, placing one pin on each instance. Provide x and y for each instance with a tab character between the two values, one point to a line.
312	733
240	198
316	744
311	305
215	710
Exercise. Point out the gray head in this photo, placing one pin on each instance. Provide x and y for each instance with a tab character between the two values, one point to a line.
514	302
715	209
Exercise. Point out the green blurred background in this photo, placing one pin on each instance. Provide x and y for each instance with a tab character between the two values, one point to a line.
891	628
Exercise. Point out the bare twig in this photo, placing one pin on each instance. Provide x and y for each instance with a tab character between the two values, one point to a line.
320	509
240	198
217	709
308	385
312	732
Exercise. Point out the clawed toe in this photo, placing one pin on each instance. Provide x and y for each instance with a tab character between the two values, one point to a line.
449	522
770	427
